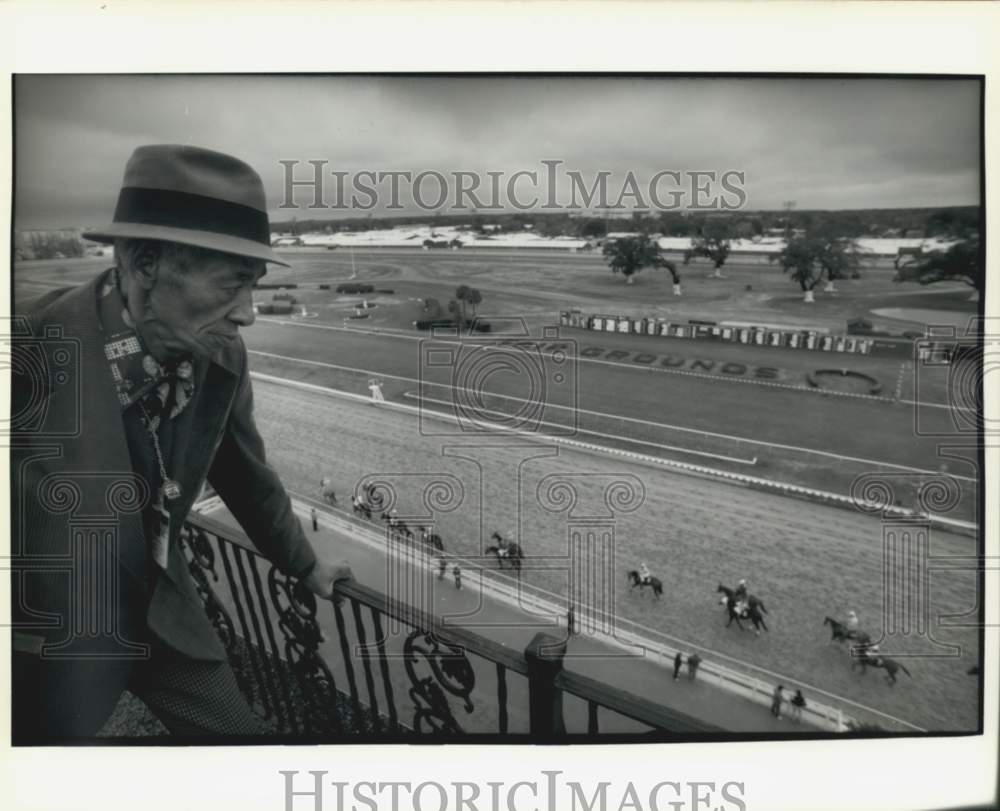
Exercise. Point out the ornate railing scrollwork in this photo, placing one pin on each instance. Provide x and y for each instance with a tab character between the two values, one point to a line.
204	554
450	671
201	559
296	609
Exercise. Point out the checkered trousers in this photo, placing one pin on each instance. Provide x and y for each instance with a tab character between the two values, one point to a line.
194	698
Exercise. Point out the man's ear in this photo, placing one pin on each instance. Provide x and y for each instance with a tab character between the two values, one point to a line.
145	264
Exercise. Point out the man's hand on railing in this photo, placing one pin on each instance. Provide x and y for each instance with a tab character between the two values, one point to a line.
321	580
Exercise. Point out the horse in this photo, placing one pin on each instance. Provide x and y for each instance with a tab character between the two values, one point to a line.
398	527
839	632
360	508
327	491
752	600
752	610
514	554
891	666
432	539
654	583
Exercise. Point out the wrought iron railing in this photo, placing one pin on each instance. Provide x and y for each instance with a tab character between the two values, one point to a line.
368	666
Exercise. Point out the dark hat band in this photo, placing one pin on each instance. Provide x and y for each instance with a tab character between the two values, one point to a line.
178	209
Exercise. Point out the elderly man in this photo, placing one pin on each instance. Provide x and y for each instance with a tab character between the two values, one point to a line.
150	399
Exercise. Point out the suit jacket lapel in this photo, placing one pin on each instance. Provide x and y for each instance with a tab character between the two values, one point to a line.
198	431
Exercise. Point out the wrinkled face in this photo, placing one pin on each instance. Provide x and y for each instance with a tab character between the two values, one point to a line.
195	307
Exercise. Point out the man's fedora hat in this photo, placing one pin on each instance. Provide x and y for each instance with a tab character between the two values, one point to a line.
193	196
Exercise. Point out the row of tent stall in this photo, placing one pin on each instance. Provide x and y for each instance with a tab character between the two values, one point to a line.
818	340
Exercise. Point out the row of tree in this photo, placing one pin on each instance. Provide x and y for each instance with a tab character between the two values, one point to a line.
958	222
823	252
53	245
466	298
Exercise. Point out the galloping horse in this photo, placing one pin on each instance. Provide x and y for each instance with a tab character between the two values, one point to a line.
512	552
752	600
654	583
432	539
361	508
327	492
891	666
751	611
398	526
839	632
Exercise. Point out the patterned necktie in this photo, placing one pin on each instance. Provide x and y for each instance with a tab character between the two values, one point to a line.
156	388
169	395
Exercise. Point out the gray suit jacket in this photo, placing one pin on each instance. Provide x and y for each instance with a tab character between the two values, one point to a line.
83	598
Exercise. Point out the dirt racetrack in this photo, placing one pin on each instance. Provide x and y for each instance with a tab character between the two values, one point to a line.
805	561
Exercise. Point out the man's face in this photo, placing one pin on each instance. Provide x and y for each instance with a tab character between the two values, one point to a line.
198	310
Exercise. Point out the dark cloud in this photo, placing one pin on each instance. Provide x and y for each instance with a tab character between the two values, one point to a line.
852	143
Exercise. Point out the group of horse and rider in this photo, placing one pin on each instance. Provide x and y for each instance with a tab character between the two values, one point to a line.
864	653
740	605
365	503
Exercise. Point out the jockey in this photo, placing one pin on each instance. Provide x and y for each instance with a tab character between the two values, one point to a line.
393	518
852	621
740	595
740	598
644	574
502	547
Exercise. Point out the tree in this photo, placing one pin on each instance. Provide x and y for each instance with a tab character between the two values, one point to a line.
836	252
800	259
475	298
963	261
674	224
824	250
713	244
955	223
54	245
462	297
631	254
593	229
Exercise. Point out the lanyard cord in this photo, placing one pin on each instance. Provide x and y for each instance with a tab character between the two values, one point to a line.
169	488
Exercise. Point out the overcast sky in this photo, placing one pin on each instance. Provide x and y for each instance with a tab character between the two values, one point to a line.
822	143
